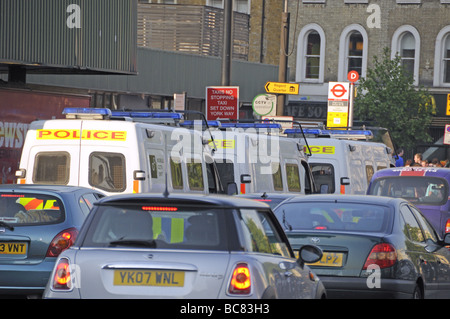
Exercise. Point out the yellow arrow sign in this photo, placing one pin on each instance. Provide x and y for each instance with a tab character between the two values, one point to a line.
282	88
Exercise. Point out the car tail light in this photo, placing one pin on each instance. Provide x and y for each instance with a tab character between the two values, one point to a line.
384	255
447	226
62	279
240	281
61	242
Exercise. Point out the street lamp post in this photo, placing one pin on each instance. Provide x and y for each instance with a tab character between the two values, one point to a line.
284	46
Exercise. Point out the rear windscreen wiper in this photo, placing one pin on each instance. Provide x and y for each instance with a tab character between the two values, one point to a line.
133	242
3	224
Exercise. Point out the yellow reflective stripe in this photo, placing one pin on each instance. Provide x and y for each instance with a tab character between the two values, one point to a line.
177	233
156	227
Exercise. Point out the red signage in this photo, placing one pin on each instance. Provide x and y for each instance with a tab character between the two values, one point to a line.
353	76
222	102
338	91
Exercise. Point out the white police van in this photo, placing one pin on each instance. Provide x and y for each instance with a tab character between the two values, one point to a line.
118	152
343	161
257	159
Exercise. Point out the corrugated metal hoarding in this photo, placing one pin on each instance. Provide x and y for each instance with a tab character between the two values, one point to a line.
91	35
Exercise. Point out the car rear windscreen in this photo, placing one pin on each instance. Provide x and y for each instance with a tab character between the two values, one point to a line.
30	209
420	190
334	216
167	227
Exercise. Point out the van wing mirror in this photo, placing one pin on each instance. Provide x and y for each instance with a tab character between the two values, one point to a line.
246	178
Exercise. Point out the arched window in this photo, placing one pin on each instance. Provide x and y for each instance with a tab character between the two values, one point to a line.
355	52
310	54
407	52
442	58
353	46
406	43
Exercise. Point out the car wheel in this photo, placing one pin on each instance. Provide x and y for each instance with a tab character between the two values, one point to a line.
417	294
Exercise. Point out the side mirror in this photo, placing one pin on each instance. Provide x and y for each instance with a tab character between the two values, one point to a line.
447	239
310	254
246	178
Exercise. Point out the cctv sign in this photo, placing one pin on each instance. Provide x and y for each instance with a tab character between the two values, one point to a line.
222	102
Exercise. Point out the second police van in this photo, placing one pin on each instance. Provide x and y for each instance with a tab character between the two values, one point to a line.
343	161
118	152
258	159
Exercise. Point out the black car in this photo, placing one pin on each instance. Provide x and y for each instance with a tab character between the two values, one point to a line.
373	246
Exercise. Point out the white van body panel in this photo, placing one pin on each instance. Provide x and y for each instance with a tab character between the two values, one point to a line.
351	160
139	149
259	157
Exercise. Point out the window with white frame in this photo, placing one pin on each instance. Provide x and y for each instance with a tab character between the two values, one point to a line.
242	6
310	54
407	52
313	56
353	47
355	52
406	43
446	60
442	58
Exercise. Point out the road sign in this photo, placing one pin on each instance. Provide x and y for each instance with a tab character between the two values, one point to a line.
282	88
337	112
353	76
265	104
338	91
222	102
447	134
448	105
285	121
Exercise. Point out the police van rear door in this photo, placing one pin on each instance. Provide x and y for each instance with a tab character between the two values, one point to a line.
51	153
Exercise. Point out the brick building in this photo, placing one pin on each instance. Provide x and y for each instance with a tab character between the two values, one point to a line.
332	37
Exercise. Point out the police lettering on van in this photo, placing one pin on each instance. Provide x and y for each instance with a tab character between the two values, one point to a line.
118	152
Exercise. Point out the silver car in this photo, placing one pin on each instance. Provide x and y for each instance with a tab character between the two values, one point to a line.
183	246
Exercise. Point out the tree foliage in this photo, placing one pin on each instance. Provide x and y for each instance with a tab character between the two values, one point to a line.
388	98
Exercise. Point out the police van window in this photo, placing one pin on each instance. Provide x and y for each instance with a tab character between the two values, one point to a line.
323	175
210	172
276	176
51	168
176	173
195	176
293	178
226	172
107	171
369	172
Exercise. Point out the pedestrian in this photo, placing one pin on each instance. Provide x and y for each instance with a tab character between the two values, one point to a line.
399	161
408	162
418	158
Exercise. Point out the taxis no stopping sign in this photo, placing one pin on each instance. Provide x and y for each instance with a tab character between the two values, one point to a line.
222	102
337	113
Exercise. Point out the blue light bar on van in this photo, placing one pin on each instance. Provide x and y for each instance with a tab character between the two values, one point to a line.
365	133
148	115
252	125
210	123
86	112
